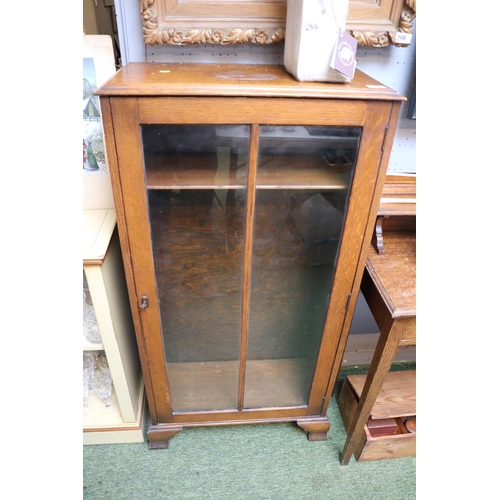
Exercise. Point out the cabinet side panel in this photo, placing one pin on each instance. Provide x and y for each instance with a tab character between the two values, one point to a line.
303	184
124	244
364	191
386	146
127	174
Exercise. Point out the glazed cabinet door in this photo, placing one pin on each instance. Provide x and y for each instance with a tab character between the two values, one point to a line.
197	199
244	237
303	181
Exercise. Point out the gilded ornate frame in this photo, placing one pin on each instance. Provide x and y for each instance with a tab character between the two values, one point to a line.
374	23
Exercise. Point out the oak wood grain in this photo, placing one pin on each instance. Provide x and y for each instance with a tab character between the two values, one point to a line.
216	271
397	209
263	80
342	335
194	172
397	396
373	448
214	385
394	274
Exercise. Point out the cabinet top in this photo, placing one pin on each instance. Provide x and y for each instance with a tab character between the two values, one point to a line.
249	80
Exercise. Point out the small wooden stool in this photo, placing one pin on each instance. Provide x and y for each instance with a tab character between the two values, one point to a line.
388	285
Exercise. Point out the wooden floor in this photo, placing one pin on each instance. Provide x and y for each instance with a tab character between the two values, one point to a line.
360	348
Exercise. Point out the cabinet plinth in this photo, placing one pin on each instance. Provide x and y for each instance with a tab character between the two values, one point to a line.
244	209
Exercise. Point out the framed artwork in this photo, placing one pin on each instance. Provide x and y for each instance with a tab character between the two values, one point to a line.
98	66
375	23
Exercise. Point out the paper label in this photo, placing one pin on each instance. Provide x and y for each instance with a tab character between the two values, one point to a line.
344	55
403	37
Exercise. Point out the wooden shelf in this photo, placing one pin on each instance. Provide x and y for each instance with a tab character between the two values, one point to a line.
397	399
98	416
87	346
214	385
274	172
300	172
190	172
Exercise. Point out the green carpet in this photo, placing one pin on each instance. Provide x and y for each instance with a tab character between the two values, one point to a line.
247	462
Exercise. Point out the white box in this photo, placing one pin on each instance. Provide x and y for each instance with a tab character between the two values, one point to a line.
312	28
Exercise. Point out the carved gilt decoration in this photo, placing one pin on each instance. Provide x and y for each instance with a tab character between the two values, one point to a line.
170	29
385	38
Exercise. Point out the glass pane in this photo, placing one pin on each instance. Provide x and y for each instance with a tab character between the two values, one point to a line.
197	211
303	181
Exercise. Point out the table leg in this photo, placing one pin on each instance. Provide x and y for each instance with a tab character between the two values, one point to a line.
383	357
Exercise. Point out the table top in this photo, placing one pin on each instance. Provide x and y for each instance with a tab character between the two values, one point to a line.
394	273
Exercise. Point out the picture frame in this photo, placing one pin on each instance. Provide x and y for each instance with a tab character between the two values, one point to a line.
98	66
375	23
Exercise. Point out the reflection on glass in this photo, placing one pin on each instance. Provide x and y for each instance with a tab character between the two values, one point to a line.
196	179
303	181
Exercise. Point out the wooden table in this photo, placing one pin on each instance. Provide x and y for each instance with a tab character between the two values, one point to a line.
388	284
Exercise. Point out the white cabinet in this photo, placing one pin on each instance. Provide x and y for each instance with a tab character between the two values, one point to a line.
103	268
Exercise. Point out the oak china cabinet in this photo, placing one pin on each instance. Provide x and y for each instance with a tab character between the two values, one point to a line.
245	202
